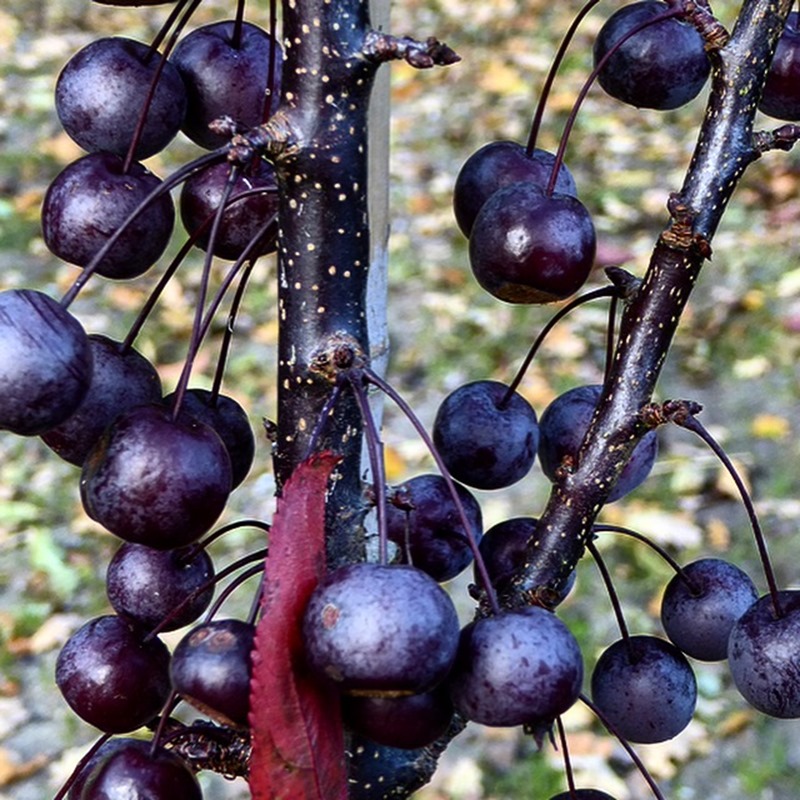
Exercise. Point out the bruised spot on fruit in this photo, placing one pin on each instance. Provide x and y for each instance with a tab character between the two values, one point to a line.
330	616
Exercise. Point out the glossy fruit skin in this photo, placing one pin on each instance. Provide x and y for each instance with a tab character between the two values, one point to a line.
222	80
496	165
104	751
781	96
527	247
484	444
101	92
646	689
663	66
230	421
763	656
380	630
242	220
519	667
211	669
156	481
111	677
90	199
133	772
583	794
147	585
120	381
562	427
698	619
407	722
45	362
425	525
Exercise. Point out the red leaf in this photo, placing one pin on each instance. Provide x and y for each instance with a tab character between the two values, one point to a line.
298	743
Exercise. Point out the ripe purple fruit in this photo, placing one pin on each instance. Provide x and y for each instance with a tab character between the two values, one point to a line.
111	677
407	722
226	78
486	441
764	655
45	362
519	667
562	427
699	611
646	689
663	66
530	247
121	379
781	95
147	585
380	630
102	90
424	522
582	794
496	165
138	772
156	481
242	219
90	199
210	669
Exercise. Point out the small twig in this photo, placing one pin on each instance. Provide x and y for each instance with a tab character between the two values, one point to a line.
380	47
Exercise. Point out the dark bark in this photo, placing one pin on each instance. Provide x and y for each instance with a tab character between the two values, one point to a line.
725	147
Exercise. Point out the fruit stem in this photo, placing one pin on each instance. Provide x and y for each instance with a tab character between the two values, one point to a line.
198	329
605	291
679	570
236	583
227	337
612	592
562	737
573	114
480	565
690	422
148	100
273	59
626	744
376	462
548	84
238	24
231	526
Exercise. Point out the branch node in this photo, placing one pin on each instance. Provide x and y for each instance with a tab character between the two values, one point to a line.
380	47
714	33
274	138
783	138
340	353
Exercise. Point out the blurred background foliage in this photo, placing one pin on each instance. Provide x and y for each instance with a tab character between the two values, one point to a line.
736	353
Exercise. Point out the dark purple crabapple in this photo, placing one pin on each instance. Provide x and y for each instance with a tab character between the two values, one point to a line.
699	611
764	655
781	95
101	93
486	439
226	79
582	794
663	66
530	247
211	669
242	219
147	585
111	677
137	771
423	521
156	481
45	362
90	199
381	630
646	689
494	166
517	667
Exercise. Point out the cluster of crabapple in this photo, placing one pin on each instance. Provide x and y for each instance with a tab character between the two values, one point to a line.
157	471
